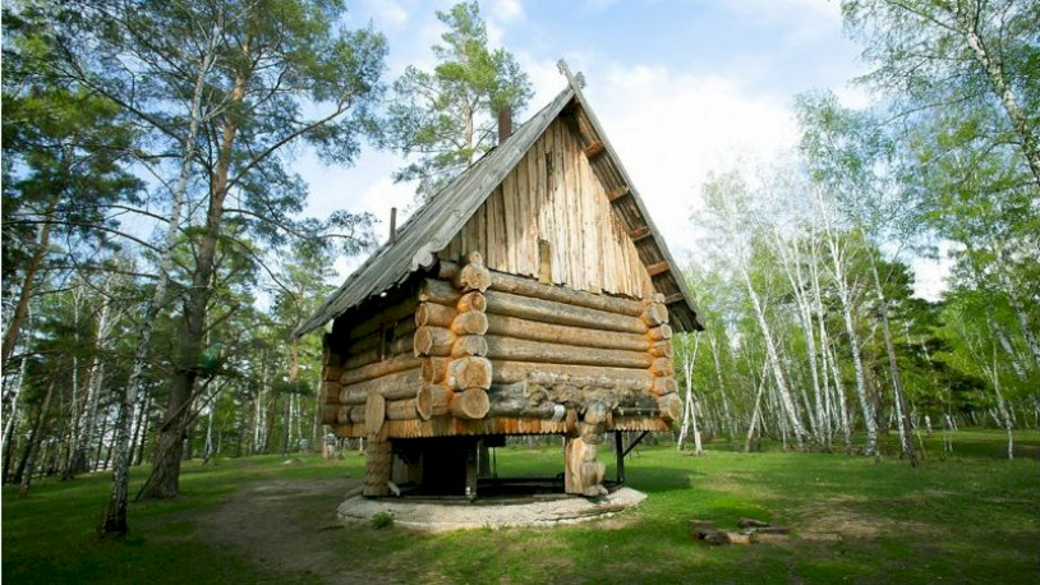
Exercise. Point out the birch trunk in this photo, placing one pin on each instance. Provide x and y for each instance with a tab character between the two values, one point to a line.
115	516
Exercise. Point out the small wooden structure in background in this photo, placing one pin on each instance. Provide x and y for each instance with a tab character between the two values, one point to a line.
533	295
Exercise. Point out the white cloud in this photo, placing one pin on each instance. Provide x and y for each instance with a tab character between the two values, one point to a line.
671	130
387	12
507	11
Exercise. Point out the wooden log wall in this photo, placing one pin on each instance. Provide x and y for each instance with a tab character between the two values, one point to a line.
374	355
552	219
450	343
488	344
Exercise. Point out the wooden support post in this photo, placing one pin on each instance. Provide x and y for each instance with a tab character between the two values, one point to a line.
471	470
619	451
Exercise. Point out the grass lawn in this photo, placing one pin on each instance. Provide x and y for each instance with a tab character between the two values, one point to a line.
972	518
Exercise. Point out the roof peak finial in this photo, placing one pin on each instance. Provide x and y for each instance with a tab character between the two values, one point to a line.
576	80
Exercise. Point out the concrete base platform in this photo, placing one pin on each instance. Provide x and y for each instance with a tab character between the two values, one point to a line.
446	515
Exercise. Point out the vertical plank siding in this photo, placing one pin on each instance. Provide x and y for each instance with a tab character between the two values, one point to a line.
554	194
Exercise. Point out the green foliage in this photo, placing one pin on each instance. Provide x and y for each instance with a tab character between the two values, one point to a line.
447	116
382	520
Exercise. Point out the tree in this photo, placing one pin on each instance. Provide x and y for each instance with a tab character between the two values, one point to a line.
941	54
284	73
447	116
66	153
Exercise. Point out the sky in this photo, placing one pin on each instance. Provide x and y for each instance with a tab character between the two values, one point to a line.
681	88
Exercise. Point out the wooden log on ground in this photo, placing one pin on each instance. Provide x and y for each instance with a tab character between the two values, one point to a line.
508	372
507	348
470	404
660	333
469	372
375	414
472	301
671	407
379	369
470	323
655	314
435	369
511	283
438	291
434	315
510	305
554	333
401	410
469	345
664	385
435	341
433	400
394	386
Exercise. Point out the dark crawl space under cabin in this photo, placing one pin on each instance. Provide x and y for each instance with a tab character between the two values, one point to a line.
532	295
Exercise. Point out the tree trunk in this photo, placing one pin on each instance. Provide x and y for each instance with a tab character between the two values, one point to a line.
96	378
115	515
165	479
1000	86
902	414
21	308
26	466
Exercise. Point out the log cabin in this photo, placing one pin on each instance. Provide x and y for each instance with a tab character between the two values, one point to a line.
532	295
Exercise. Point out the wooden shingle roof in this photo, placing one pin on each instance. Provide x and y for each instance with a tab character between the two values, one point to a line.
432	226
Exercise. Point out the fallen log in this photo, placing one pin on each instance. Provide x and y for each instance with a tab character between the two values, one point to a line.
510	305
554	333
507	348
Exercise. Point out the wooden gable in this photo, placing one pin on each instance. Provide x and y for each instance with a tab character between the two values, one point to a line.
551	219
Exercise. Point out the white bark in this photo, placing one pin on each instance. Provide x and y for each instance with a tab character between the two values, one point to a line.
115	521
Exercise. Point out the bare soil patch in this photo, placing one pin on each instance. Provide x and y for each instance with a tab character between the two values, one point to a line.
287	526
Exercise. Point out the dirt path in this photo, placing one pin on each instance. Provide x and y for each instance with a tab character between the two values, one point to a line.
286	526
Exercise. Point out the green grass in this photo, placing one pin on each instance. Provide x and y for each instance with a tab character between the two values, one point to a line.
972	518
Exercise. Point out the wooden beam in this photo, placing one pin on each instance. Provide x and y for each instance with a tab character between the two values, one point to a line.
674	298
617	193
658	268
593	150
640	233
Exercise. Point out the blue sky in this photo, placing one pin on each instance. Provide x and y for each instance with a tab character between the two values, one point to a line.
681	87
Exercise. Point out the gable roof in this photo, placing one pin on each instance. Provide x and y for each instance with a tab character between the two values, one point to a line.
433	226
